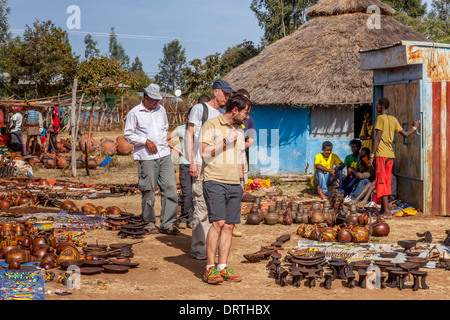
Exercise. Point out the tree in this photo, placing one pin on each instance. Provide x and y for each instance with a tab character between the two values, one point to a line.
117	52
200	75
4	25
43	58
236	55
91	47
279	18
171	67
136	65
413	8
438	21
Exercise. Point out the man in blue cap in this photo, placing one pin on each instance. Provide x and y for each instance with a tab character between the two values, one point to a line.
200	113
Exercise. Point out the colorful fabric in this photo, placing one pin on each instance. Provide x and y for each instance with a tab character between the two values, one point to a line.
389	125
56	120
383	176
33	116
22	284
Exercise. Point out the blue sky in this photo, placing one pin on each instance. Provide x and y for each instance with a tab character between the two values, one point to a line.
203	27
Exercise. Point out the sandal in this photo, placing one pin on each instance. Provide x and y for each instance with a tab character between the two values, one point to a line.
172	230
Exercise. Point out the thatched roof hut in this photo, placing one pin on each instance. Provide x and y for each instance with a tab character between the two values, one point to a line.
319	64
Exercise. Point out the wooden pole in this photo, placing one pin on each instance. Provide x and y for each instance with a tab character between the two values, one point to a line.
88	144
73	133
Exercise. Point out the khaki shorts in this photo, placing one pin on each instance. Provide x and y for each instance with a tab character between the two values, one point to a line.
33	131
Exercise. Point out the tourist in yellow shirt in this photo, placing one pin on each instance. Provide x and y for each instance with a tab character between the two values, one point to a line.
367	130
385	128
327	169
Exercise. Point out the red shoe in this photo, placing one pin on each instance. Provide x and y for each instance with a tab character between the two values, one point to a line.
212	276
228	275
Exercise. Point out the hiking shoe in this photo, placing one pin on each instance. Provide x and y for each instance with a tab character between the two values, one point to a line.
228	275
212	276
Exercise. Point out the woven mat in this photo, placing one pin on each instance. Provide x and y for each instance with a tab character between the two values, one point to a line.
22	284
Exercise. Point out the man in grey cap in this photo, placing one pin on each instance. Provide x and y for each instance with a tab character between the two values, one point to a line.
200	113
146	128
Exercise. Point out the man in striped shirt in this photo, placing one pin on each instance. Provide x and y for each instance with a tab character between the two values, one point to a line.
32	119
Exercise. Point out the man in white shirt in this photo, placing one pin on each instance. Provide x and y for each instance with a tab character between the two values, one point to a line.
146	128
16	131
199	114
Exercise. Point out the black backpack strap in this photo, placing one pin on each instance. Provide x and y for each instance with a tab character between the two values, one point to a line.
205	113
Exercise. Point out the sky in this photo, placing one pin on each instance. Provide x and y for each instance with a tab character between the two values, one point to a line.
143	27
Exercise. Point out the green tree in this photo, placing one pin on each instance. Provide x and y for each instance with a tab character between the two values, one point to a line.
279	18
43	58
413	8
91	47
201	74
4	25
117	52
171	67
137	65
236	55
438	21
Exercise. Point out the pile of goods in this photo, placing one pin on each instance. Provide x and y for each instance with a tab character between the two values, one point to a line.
311	266
129	226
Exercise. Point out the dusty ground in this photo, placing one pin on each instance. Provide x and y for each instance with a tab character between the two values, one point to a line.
167	272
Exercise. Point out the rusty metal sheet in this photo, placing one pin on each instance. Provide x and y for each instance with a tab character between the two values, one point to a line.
447	109
436	155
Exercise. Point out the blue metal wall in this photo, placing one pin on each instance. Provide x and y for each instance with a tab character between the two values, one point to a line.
290	128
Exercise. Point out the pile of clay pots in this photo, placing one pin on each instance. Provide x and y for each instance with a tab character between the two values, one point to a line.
14	199
110	147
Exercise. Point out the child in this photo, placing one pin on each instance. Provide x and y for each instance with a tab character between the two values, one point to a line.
327	168
350	163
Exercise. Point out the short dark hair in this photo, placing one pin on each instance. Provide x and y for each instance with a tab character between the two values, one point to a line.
366	150
356	142
237	101
368	111
243	92
203	98
384	102
326	144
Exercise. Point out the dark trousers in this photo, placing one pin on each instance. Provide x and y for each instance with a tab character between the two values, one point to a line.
187	204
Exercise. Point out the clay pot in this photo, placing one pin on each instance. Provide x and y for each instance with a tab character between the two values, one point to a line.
68	253
40	251
315	234
352	218
5	204
317	216
62	162
49	163
113	210
14	264
379	228
253	217
92	163
287	219
47	265
360	234
344	235
271	217
363	218
123	147
108	146
328	235
20	254
91	144
86	207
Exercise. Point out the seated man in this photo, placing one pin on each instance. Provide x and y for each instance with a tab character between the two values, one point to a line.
327	168
350	163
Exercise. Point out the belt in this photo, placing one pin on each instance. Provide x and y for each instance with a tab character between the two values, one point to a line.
33	125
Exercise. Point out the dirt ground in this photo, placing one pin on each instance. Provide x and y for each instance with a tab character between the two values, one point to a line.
167	272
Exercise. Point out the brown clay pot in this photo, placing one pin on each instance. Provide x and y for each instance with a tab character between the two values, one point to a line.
379	228
271	217
62	162
113	210
108	146
317	216
328	235
49	163
363	218
91	144
5	204
344	235
123	147
287	219
92	163
20	254
253	217
360	234
14	264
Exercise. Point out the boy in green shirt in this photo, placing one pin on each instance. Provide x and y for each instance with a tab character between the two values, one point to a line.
350	162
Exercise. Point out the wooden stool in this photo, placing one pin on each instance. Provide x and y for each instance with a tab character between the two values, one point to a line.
362	278
400	278
338	268
391	280
328	278
282	277
297	277
422	275
350	276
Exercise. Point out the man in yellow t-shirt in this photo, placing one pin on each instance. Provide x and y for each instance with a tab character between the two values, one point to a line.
327	168
367	130
383	152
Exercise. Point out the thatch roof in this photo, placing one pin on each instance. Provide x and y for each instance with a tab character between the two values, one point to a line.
319	65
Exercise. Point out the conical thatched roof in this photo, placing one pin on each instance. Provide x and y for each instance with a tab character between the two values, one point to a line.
319	65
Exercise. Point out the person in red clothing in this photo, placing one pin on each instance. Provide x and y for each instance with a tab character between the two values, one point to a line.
4	138
54	130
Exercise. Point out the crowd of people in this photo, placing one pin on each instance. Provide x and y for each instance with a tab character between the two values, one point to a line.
369	166
36	125
213	167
